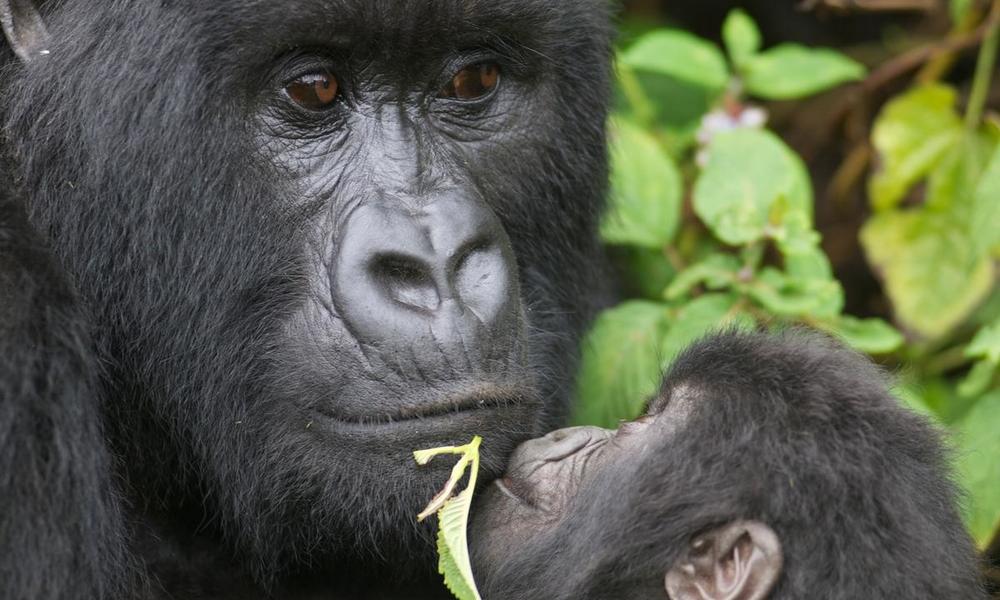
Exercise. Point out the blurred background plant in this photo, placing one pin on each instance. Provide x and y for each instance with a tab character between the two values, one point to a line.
832	163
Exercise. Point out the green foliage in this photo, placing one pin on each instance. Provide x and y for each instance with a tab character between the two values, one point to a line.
979	466
711	217
453	518
791	71
679	55
934	257
751	185
742	38
644	210
621	364
912	135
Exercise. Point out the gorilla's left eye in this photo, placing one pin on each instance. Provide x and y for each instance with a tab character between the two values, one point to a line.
472	82
313	91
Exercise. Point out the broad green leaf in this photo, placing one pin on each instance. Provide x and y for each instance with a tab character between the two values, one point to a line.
701	316
741	36
620	368
872	336
750	172
453	518
952	183
679	55
645	203
716	272
979	465
911	135
932	274
985	211
790	71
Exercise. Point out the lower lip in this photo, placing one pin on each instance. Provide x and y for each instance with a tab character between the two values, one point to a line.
468	420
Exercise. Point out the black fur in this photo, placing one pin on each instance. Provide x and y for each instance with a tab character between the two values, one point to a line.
793	431
171	229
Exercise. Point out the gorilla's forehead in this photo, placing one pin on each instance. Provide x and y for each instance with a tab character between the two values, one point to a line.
398	24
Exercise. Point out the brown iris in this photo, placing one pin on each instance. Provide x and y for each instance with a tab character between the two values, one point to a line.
472	82
314	91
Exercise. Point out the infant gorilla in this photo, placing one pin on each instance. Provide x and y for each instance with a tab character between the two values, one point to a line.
767	467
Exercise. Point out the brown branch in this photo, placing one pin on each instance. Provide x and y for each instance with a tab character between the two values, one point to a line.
912	59
869	5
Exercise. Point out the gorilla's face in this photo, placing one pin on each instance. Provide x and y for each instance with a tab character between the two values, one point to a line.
413	324
318	235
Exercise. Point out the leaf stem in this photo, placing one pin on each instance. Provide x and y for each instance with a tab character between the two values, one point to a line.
945	361
637	99
984	70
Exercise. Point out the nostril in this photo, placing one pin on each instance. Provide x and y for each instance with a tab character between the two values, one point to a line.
558	435
479	277
406	279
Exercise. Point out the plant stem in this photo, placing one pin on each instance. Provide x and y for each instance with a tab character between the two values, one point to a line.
946	360
644	111
984	71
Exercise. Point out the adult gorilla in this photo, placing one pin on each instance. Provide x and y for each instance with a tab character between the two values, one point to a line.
258	252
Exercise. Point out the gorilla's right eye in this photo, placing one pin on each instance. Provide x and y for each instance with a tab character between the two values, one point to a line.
313	91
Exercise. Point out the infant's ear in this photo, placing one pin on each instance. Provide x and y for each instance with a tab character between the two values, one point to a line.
738	561
24	28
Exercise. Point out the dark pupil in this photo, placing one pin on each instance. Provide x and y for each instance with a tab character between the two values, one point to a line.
314	91
472	82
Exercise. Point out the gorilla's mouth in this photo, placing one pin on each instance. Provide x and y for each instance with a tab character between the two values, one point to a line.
447	406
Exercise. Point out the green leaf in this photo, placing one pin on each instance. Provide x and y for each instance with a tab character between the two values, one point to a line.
979	467
741	36
952	183
790	71
808	263
701	316
911	135
932	274
748	173
646	189
679	55
978	380
872	336
453	549
453	518
717	271
620	368
985	211
784	296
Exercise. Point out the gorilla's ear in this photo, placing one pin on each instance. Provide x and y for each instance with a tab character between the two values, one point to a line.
738	561
24	28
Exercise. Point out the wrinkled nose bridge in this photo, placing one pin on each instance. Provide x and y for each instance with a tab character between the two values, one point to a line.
397	156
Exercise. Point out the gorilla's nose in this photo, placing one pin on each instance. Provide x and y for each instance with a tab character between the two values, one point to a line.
441	275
